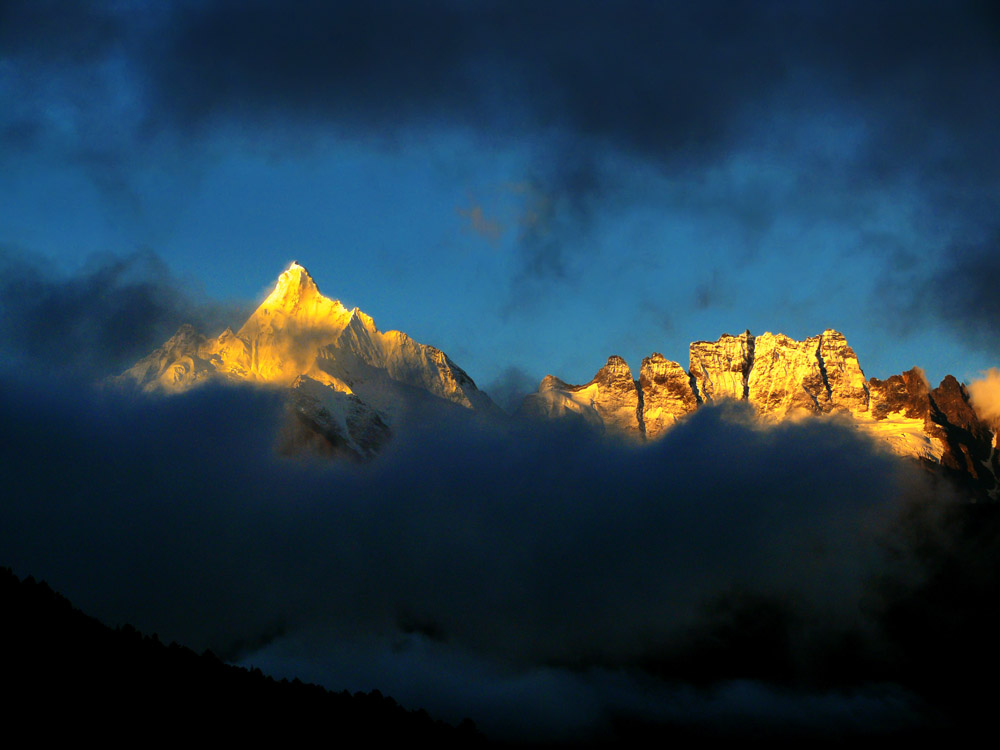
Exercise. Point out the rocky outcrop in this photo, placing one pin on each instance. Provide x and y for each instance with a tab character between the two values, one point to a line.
667	394
965	445
906	394
182	361
331	422
969	442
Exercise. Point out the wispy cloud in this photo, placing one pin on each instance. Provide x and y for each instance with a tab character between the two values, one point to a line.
98	321
985	395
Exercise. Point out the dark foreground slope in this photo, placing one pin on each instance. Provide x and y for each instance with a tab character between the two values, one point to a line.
69	677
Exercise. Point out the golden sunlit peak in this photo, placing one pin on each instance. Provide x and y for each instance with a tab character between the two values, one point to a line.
296	273
295	281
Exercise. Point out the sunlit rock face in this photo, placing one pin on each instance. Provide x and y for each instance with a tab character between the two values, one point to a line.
667	394
721	369
844	378
285	333
818	375
609	402
616	398
784	378
348	382
787	376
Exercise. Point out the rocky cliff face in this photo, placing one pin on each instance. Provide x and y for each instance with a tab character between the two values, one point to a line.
969	443
617	401
667	394
784	378
721	369
610	402
348	382
842	373
906	394
787	376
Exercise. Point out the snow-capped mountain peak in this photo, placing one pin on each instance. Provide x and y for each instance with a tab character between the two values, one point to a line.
349	382
294	291
295	307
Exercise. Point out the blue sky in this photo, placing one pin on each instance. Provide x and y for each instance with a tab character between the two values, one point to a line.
530	188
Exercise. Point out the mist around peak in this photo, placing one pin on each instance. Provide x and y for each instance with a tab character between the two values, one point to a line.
985	395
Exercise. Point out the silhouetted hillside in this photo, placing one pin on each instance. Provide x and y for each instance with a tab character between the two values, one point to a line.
70	677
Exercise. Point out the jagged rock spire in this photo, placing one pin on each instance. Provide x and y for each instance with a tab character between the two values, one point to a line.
666	392
721	369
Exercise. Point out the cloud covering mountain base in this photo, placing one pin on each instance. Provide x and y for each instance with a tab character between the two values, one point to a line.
543	581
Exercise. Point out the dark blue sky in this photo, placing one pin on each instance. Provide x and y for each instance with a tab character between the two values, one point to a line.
526	185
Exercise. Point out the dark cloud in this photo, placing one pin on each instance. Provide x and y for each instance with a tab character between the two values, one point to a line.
558	206
676	82
516	563
859	100
963	291
96	322
658	79
712	292
956	285
664	81
50	32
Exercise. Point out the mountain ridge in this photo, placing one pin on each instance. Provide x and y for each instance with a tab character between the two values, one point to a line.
786	379
350	386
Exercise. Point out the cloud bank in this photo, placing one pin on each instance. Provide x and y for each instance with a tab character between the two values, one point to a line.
737	573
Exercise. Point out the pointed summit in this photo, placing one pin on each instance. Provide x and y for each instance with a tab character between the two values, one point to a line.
348	382
298	268
295	286
296	300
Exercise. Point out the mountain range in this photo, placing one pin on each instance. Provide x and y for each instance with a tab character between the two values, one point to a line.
350	385
782	378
